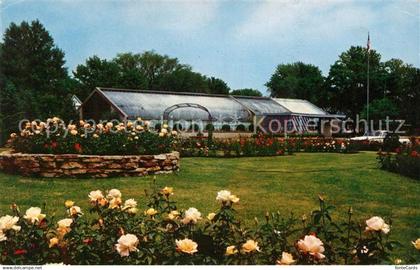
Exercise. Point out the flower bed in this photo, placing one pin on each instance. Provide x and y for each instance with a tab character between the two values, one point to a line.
107	138
122	232
260	145
97	166
405	160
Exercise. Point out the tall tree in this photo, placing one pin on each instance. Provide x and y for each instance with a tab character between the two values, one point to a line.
297	80
217	86
32	76
97	72
347	80
246	92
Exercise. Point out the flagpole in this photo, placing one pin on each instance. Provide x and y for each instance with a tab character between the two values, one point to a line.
367	88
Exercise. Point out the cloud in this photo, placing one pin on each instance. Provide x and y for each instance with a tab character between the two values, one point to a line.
308	19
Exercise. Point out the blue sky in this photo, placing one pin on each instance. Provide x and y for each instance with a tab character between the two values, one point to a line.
239	41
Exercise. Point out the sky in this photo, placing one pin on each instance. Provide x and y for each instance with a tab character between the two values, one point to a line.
239	41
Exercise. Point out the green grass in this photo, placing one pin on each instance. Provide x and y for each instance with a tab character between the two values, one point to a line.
285	184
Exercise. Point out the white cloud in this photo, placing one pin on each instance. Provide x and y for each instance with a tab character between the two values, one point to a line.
309	19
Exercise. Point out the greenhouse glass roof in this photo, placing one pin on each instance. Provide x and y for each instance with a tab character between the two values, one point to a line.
152	104
300	106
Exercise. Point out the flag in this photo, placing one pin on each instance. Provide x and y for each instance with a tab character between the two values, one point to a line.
368	42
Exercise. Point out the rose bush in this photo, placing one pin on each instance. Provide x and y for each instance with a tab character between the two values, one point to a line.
259	145
404	160
117	233
55	137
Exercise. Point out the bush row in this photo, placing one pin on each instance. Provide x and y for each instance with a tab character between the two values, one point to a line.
120	232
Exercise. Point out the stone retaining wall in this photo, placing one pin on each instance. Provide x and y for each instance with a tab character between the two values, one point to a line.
70	165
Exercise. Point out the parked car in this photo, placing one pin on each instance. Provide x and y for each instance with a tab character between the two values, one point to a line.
377	136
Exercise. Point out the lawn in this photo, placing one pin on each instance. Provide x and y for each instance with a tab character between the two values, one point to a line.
284	183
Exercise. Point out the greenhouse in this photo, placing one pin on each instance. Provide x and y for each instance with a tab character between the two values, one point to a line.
223	112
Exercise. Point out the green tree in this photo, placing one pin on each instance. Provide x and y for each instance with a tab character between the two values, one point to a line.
246	92
403	88
380	108
347	81
96	72
297	80
217	86
32	76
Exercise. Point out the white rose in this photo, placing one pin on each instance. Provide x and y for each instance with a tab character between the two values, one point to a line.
223	196
312	245
130	203
377	224
191	215
65	223
9	223
75	210
33	214
95	195
127	243
114	193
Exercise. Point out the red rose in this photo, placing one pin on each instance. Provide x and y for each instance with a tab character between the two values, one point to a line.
54	144
87	241
78	147
414	153
20	251
397	150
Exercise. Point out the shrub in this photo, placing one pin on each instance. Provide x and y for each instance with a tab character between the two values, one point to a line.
120	232
226	128
54	137
405	160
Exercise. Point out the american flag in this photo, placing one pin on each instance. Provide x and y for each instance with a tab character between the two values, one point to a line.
368	43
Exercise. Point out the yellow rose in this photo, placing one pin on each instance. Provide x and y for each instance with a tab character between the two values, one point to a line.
250	246
150	212
231	250
167	191
53	242
68	203
186	246
210	216
286	259
416	243
173	215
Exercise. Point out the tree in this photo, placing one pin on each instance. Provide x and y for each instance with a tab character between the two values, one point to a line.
380	109
97	72
217	86
32	76
297	80
347	81
246	92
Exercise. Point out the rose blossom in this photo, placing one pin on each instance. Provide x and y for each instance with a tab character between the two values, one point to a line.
75	210
33	214
286	259
9	223
114	193
225	196
231	250
416	244
150	212
187	246
127	243
312	245
191	215
250	246
130	203
95	195
377	224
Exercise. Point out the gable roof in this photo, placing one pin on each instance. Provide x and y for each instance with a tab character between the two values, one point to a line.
151	104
